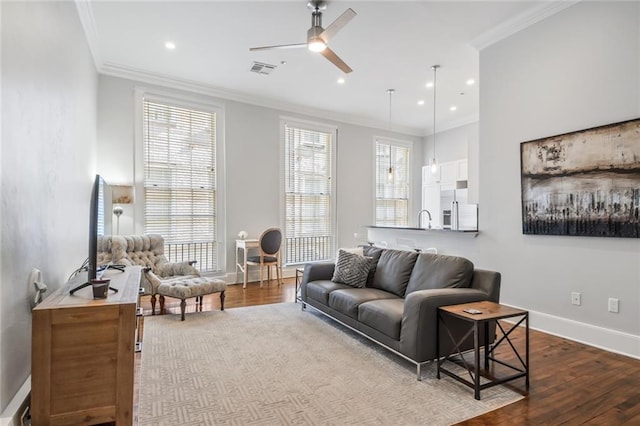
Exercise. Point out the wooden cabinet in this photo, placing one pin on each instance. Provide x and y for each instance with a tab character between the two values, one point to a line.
82	362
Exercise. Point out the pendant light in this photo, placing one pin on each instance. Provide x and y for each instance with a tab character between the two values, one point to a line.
434	162
390	172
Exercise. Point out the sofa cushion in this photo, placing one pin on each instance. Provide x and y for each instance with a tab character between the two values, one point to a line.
393	271
351	269
346	301
383	315
374	253
440	271
319	290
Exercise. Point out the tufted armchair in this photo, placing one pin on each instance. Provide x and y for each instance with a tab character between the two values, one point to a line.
148	252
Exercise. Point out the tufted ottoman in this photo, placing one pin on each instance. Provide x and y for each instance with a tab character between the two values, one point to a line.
184	288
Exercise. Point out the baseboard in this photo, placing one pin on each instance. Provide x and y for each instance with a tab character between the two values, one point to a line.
603	338
254	275
14	414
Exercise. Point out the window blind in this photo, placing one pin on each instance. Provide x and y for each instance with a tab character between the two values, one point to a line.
179	150
308	194
392	192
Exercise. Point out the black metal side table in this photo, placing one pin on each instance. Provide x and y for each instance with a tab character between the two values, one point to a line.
480	316
299	274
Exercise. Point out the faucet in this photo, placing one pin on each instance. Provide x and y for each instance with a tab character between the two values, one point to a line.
420	218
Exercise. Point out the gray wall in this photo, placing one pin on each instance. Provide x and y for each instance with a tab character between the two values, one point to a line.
575	70
49	89
252	162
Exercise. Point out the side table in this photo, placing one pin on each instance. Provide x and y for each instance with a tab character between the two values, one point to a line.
299	274
490	313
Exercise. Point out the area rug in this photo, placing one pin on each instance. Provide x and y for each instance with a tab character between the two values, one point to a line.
278	365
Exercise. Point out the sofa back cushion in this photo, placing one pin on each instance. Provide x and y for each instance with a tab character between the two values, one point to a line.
440	271
374	253
393	271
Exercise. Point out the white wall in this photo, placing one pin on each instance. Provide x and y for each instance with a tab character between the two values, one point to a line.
575	70
49	87
252	162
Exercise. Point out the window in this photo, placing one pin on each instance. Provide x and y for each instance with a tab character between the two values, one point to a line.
392	182
180	181
308	210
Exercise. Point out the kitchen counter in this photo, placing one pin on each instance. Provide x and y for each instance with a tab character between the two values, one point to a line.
474	232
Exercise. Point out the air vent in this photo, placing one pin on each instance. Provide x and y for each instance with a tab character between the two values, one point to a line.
260	68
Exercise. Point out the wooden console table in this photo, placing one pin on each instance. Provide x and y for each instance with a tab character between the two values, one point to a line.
82	360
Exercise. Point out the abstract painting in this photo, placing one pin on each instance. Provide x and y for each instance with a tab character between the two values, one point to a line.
585	183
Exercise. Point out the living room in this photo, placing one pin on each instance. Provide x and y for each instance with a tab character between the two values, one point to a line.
62	122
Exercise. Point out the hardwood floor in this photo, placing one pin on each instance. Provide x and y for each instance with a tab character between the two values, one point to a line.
571	383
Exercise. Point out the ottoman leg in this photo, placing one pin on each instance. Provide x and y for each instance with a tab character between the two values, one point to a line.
153	304
161	305
222	296
183	304
201	297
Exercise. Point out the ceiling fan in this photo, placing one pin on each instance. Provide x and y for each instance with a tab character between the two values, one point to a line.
318	37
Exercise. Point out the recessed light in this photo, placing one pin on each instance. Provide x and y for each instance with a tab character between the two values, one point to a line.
170	45
471	82
453	108
429	84
341	80
420	102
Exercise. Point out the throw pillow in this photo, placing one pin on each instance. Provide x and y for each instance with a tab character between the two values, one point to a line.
355	250
351	269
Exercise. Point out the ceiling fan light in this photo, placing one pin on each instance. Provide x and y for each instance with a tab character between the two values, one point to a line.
316	44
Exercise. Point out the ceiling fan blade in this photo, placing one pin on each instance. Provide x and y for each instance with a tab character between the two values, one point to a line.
278	46
337	25
335	60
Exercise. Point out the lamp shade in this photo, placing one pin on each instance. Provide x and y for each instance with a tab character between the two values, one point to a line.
123	194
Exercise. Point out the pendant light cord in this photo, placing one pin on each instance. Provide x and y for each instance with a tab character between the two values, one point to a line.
435	68
390	92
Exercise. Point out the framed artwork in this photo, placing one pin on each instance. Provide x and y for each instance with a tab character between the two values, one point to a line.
585	183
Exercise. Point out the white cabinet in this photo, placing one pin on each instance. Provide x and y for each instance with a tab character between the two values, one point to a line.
462	170
431	202
448	173
428	177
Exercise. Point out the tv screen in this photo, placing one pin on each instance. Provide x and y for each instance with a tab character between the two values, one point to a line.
100	207
97	222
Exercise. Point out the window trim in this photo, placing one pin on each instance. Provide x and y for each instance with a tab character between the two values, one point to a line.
410	196
181	100
314	126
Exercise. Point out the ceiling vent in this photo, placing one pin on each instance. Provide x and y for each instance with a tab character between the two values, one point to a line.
260	68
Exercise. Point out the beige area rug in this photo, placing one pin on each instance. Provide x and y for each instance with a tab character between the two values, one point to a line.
278	365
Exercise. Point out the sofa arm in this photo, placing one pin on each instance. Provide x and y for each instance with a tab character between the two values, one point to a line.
318	271
179	268
315	272
420	318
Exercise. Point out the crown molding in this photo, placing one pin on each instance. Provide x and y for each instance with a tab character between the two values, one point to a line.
91	33
122	71
520	22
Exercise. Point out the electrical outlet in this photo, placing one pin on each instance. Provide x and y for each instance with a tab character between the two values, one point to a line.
614	305
576	298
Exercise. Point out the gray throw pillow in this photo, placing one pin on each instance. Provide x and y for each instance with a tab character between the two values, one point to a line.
351	269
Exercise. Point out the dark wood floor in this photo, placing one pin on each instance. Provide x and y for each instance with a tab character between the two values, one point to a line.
571	383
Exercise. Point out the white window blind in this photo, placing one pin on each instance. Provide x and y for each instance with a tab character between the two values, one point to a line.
308	194
179	150
392	189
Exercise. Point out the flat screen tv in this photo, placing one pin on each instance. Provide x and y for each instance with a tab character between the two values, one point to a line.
99	225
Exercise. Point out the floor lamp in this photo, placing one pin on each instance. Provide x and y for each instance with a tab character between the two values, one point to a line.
121	194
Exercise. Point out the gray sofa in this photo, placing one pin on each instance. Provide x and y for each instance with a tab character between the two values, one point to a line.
398	306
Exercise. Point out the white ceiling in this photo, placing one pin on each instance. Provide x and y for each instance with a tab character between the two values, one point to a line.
389	44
